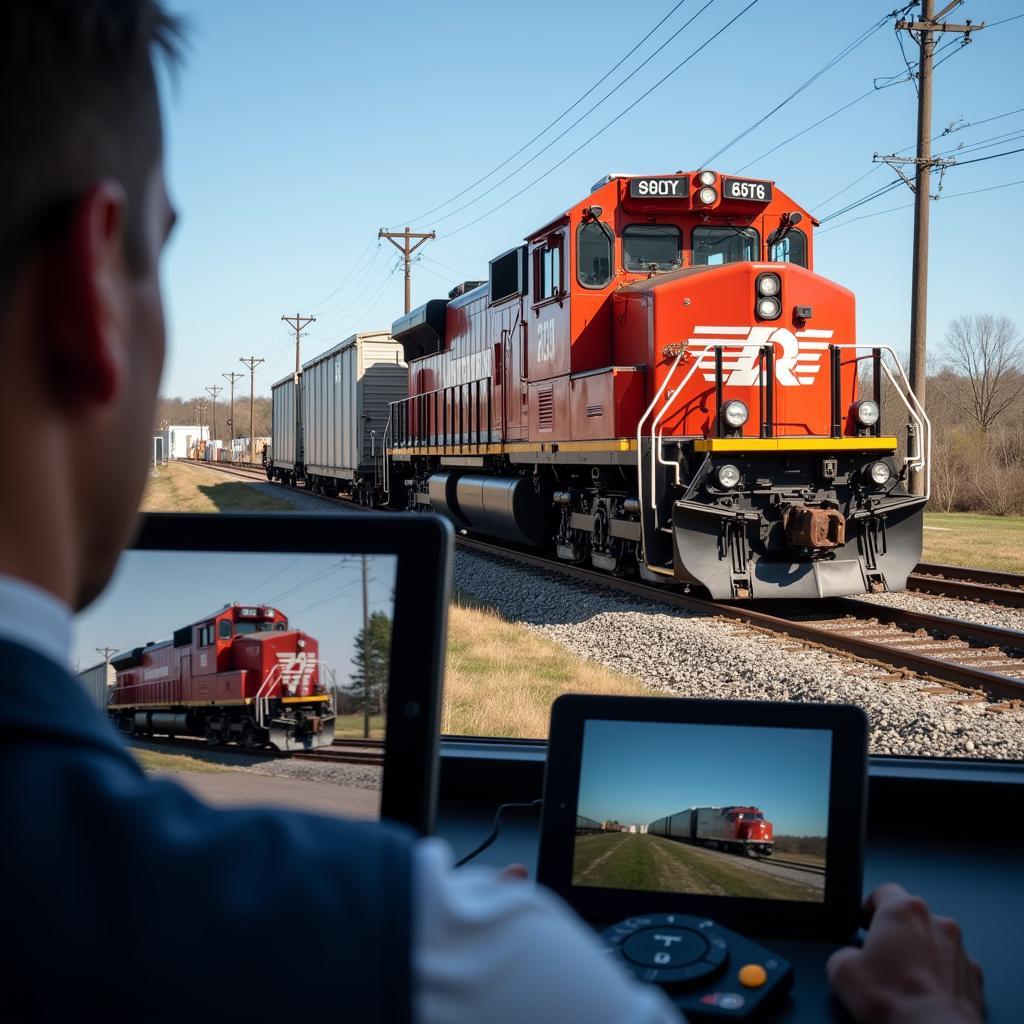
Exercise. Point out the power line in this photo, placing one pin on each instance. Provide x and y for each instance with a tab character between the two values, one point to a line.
845	52
615	119
991	156
992	24
887	187
548	127
582	117
331	295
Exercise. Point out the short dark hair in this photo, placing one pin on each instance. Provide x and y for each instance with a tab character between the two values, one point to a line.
78	102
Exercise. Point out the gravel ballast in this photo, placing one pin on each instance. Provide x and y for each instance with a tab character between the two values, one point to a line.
689	654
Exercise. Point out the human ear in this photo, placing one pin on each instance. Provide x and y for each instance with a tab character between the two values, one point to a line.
85	297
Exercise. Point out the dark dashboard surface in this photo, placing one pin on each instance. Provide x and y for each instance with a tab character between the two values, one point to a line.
977	881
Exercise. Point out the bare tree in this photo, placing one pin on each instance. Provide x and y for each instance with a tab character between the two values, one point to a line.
986	353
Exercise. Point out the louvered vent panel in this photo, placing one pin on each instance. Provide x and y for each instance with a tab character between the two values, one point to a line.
545	409
595	410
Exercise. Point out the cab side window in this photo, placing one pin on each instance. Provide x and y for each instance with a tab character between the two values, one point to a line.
547	270
791	249
204	635
594	248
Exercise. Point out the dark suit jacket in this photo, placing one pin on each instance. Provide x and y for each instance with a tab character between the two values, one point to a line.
125	898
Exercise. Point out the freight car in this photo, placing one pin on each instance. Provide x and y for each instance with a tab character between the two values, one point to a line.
587	826
329	420
657	382
97	682
736	829
240	675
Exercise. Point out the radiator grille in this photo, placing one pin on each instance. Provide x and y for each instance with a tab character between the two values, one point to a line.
545	409
595	410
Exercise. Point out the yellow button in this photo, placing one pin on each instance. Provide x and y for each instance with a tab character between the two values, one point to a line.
753	975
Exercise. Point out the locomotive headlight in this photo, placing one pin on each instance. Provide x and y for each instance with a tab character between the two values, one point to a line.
706	178
769	307
768	284
707	195
866	413
735	414
728	477
300	643
879	473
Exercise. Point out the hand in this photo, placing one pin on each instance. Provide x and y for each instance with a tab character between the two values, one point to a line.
513	873
912	968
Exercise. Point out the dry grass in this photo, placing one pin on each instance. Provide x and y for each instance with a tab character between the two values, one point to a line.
153	760
982	542
184	488
502	678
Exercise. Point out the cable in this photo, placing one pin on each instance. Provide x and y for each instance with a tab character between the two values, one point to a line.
495	829
359	259
605	127
991	156
992	24
888	187
582	117
845	52
603	78
906	206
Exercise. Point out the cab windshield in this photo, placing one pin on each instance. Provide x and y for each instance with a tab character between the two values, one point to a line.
652	247
241	628
713	247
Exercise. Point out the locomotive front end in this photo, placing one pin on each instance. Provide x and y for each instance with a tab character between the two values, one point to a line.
764	459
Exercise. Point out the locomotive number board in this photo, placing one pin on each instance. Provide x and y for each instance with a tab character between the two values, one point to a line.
658	188
752	191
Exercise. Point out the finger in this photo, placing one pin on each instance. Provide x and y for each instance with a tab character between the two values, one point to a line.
886	893
841	968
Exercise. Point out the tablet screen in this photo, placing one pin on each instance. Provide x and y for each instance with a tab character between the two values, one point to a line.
716	810
241	659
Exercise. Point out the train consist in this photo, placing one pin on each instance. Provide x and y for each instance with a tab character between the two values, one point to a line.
655	383
736	829
240	675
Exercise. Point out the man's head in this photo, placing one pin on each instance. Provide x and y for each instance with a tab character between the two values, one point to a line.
83	217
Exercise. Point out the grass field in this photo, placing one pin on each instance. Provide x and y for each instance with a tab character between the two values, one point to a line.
153	760
502	677
351	727
654	864
180	488
983	542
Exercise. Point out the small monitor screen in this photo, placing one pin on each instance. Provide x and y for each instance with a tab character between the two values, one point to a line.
716	810
212	661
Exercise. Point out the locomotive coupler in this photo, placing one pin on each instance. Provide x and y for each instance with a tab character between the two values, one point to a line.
814	528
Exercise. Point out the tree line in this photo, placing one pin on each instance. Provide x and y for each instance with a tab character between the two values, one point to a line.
186	411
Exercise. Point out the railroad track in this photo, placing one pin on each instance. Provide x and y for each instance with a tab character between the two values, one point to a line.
987	585
796	865
955	656
240	469
985	661
368	752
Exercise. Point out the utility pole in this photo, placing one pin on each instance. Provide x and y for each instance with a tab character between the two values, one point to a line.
215	391
252	362
298	322
366	657
106	652
406	250
926	29
231	378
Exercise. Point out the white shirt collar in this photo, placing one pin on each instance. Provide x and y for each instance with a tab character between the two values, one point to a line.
34	618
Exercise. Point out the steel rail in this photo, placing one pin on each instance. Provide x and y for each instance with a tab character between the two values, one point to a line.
994	683
1005	588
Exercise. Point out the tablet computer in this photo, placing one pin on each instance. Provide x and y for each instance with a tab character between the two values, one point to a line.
748	812
284	636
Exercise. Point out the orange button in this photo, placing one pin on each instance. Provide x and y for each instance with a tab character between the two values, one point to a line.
753	975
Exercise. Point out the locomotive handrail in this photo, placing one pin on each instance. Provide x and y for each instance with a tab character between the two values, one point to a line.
466	420
384	452
262	701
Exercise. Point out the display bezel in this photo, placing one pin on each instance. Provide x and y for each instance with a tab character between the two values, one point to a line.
837	916
422	546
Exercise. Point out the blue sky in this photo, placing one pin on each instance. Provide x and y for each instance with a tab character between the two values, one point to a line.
155	592
636	772
297	130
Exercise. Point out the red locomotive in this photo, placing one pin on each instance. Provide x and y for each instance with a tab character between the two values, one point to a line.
658	382
737	829
240	675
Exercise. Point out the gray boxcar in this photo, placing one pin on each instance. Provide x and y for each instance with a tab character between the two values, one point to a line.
345	396
286	432
97	682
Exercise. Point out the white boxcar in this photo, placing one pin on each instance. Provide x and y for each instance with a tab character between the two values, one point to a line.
345	396
180	439
286	431
97	682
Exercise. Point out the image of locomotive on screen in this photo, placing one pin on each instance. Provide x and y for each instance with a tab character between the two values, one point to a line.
735	829
240	675
656	383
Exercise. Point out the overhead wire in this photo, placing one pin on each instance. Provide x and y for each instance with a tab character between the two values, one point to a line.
842	55
330	295
605	127
565	131
550	125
